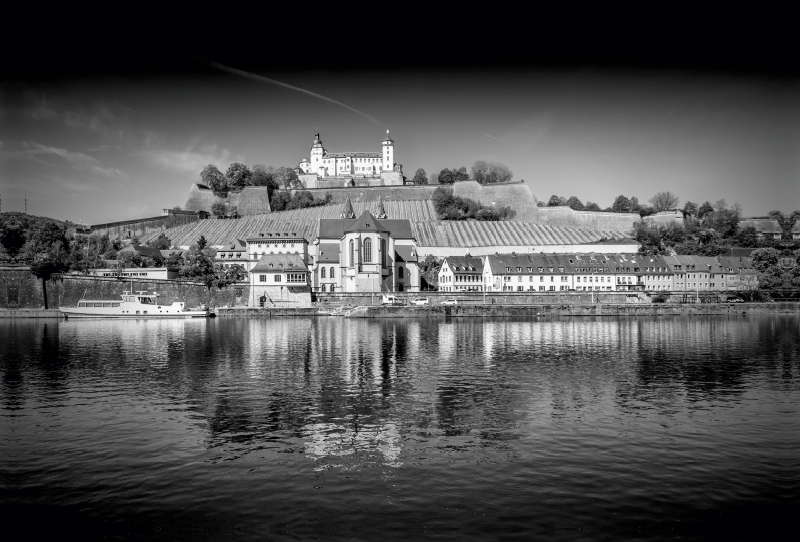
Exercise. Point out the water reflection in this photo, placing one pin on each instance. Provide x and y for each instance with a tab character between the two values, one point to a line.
500	408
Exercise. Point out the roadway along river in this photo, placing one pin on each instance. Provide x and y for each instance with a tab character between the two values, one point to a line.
590	428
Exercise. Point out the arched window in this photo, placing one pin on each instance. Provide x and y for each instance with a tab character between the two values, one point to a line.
332	287
400	272
352	259
323	287
368	250
332	273
383	252
322	273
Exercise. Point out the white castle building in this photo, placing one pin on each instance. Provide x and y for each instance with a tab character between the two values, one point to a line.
323	169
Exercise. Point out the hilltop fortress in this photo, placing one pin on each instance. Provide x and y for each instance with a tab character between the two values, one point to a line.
366	176
323	169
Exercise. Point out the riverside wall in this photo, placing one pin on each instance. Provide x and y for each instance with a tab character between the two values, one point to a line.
582	309
21	290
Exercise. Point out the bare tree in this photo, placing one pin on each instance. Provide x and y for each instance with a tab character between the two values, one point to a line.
664	201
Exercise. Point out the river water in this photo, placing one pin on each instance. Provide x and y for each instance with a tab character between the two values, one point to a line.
350	429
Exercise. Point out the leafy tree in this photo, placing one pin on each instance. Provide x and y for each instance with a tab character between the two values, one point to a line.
704	210
446	177
280	199
461	175
592	206
746	237
199	263
129	259
621	205
420	177
287	178
225	276
238	176
450	207
162	242
491	172
540	203
658	239
664	201
575	203
218	209
12	236
554	201
48	247
767	263
690	209
174	261
721	205
215	180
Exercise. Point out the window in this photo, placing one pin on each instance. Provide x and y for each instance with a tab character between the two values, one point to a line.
332	275
323	288
262	278
541	278
352	253
295	277
383	253
277	278
399	271
368	250
322	273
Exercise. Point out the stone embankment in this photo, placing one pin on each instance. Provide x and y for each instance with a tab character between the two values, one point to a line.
587	309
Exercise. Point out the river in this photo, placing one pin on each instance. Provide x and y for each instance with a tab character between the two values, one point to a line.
649	428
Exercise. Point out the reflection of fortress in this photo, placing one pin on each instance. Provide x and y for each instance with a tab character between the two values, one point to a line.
323	169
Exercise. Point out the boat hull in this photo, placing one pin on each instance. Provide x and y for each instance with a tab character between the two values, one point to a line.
71	313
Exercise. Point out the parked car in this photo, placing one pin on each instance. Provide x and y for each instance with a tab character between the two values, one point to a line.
451	301
735	300
421	301
391	300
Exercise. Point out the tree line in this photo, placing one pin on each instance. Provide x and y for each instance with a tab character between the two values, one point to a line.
450	207
481	171
47	247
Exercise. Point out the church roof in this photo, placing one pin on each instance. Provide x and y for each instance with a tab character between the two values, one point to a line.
328	252
279	263
334	228
347	210
366	222
405	253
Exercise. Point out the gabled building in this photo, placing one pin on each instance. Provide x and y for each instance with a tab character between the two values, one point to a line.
461	274
740	273
766	227
276	242
364	254
280	280
234	253
696	273
628	271
657	276
530	272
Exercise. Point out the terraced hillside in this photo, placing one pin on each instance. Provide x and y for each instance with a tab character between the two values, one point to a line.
428	231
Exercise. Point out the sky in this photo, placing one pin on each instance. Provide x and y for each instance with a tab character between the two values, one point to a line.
92	139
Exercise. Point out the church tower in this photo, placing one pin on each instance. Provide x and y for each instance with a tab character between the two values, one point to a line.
317	152
388	153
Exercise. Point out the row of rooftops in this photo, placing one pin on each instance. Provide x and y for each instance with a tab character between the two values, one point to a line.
526	264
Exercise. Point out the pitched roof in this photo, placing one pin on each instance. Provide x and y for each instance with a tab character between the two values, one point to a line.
142	250
366	222
762	225
465	263
279	263
347	210
328	252
236	246
335	228
405	253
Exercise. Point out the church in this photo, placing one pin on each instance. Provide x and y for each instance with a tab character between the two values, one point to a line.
323	169
364	254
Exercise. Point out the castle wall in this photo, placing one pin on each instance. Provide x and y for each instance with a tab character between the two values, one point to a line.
442	252
587	220
518	196
253	200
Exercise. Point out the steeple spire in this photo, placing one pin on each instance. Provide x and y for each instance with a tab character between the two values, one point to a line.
347	211
381	211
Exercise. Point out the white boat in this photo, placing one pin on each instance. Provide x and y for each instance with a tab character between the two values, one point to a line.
139	305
